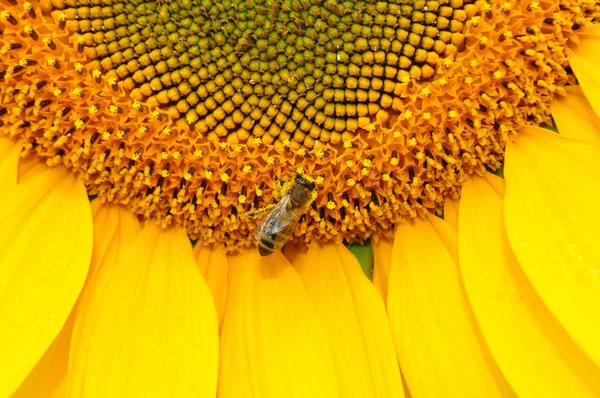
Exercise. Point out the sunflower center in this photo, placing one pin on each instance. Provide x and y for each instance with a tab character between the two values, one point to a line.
304	71
186	111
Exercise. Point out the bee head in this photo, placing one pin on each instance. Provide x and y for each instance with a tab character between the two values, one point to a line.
300	179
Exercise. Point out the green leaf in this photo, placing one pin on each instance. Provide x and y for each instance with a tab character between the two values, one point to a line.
364	255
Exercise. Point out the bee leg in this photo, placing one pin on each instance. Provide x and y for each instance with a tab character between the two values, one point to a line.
253	213
277	193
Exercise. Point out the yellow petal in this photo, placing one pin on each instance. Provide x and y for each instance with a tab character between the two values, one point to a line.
382	260
575	117
30	167
451	212
354	319
48	378
213	265
46	246
584	61
439	346
272	341
447	233
551	215
9	161
535	354
146	324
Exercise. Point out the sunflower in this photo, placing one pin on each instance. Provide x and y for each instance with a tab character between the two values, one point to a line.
132	128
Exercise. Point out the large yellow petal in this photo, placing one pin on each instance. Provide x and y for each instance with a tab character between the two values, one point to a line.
213	265
45	250
451	212
9	162
355	321
48	377
146	324
536	355
551	215
439	346
584	61
575	117
382	260
272	341
114	227
30	167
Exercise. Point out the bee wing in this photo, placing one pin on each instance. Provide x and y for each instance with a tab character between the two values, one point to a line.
280	219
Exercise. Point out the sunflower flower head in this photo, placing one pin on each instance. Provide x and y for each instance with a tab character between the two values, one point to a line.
186	111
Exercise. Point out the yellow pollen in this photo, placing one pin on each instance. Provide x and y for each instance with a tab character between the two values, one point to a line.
96	73
349	163
242	199
208	174
224	177
270	160
350	182
452	114
426	115
247	169
331	205
367	162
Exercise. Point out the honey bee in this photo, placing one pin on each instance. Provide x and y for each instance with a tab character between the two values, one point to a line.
276	227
